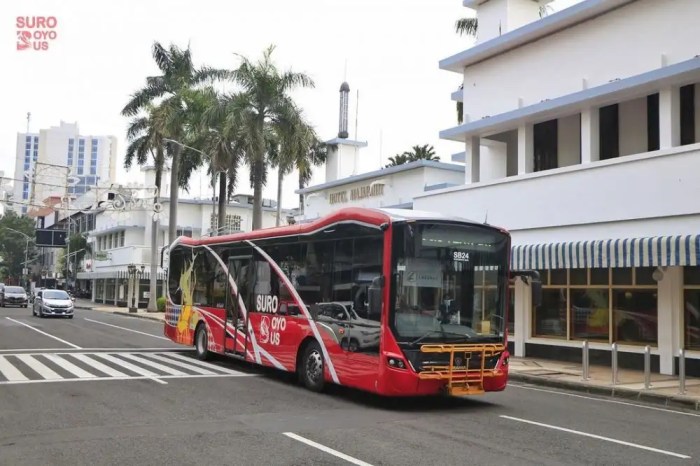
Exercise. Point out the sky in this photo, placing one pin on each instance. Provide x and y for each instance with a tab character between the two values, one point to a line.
387	50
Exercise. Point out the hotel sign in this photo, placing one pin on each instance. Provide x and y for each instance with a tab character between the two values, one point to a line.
356	194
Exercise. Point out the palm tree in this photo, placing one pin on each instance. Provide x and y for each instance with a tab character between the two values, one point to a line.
470	27
398	159
317	155
263	102
295	141
170	92
146	138
424	152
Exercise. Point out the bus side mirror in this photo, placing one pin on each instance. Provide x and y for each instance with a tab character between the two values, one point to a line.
536	290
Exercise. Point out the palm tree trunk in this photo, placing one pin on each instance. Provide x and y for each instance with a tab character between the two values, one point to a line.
174	187
301	196
223	198
258	172
153	282
280	179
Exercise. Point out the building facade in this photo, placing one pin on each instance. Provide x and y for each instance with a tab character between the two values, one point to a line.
59	160
582	137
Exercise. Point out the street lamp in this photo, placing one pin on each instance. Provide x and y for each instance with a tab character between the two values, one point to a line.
25	269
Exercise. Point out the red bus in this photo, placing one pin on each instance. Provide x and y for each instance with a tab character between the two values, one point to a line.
396	302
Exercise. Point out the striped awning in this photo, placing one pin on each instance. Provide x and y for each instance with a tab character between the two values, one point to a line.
630	252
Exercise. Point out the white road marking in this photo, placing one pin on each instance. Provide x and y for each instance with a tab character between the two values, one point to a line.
69	350
131	367
603	400
326	449
38	367
69	366
597	437
205	364
145	362
10	372
98	365
127	377
44	333
190	367
127	329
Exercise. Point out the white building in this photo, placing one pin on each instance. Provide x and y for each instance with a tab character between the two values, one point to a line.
582	137
123	237
60	160
390	187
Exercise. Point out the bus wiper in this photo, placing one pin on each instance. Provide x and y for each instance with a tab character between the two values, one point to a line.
441	332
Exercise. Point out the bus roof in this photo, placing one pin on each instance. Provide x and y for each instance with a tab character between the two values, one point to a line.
370	216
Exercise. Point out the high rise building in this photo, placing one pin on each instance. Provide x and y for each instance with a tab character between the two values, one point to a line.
58	161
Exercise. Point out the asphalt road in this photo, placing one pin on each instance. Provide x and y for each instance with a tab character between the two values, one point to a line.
105	389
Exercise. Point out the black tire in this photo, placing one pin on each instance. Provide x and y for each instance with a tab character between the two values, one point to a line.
312	368
70	317
201	343
41	314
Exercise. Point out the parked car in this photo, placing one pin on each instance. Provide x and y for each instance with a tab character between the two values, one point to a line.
52	303
13	295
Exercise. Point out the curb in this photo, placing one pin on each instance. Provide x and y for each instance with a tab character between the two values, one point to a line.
673	401
138	316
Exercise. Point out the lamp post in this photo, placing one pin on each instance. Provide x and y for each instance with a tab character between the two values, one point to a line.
135	273
26	253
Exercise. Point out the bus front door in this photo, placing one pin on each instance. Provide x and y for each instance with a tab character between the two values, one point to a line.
236	334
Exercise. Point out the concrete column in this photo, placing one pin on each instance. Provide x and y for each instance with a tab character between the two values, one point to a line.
104	291
472	160
669	118
116	291
93	290
522	316
590	135
526	148
670	310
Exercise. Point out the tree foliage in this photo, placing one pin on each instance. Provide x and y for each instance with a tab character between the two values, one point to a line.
12	244
424	152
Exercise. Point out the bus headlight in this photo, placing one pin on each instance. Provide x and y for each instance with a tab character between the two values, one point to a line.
396	363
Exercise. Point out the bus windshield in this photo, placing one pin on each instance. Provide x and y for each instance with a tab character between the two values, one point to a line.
449	283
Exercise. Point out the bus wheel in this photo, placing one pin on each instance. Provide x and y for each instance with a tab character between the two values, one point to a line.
201	343
311	367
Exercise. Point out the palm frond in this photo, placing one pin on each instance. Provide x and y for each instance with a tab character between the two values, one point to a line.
467	26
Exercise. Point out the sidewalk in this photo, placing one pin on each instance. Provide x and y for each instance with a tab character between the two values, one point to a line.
142	314
664	389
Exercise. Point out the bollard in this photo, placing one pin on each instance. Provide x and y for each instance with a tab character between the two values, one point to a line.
585	360
614	364
647	367
681	372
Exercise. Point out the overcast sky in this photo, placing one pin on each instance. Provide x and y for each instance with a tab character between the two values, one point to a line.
102	54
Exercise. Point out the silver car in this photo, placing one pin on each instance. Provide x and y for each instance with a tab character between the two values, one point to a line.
53	303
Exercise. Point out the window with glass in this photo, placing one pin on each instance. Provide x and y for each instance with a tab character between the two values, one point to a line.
612	305
449	283
691	311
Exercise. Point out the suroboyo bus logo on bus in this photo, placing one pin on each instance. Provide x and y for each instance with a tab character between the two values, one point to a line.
36	32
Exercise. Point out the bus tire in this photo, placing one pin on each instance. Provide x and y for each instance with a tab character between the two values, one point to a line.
311	369
201	342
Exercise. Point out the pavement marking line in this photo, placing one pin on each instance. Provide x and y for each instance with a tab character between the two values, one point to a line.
131	367
98	365
10	372
127	378
326	449
127	329
70	350
44	333
597	437
174	362
145	362
38	367
69	366
573	395
202	363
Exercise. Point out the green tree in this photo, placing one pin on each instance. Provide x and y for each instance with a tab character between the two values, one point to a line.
13	243
317	155
263	103
171	92
424	152
79	247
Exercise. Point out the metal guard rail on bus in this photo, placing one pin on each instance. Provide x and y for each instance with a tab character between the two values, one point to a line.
462	380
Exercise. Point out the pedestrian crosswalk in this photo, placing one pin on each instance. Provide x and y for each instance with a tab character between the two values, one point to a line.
78	366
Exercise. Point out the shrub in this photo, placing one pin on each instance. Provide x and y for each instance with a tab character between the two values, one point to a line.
161	304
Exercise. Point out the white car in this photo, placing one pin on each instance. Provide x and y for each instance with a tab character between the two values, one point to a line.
52	303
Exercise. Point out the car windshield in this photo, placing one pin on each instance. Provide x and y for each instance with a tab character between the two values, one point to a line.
449	283
14	289
56	294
